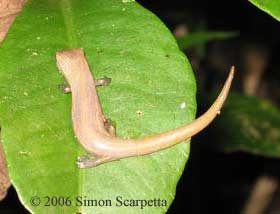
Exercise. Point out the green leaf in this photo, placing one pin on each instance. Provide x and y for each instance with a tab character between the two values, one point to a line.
272	7
248	124
202	37
149	74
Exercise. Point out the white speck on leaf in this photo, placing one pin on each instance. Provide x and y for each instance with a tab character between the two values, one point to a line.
24	153
25	93
127	1
183	105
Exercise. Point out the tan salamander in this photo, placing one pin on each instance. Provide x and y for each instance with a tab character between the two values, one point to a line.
90	126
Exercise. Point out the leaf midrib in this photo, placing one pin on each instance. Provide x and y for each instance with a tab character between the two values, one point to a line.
72	42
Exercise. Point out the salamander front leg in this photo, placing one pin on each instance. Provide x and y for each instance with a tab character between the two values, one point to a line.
105	81
65	88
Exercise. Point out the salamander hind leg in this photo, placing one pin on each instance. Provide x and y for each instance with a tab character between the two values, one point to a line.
110	127
105	81
86	162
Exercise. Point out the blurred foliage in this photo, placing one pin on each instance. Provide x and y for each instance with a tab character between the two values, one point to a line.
248	124
202	37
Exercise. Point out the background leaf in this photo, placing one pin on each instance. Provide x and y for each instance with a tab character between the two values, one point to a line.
272	7
249	124
202	37
149	75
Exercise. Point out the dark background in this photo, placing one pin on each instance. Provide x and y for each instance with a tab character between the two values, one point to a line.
214	182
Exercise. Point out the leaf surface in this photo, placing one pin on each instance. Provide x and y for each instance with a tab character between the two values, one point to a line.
272	7
152	90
